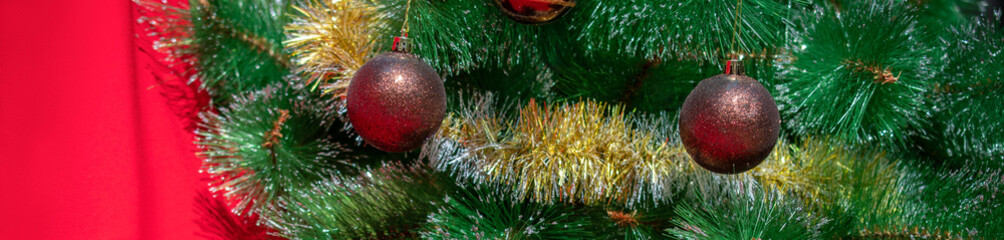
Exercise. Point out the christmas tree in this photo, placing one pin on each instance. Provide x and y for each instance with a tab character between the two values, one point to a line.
324	119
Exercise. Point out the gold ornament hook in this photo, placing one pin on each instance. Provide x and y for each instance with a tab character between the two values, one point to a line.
735	65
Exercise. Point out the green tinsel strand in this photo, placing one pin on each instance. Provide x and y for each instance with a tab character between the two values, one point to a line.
515	85
818	171
859	73
942	15
480	213
922	204
969	95
389	202
870	196
649	85
475	46
690	29
269	142
238	44
459	35
866	195
965	203
607	50
857	192
613	51
749	212
648	55
705	28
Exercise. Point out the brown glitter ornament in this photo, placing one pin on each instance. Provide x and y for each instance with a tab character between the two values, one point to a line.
729	122
534	11
395	101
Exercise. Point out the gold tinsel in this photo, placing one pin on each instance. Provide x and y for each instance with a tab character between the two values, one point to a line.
907	233
592	153
822	172
829	177
329	40
584	152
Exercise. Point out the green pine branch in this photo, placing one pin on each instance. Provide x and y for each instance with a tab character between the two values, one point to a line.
868	74
968	95
859	72
748	212
606	50
238	44
264	144
389	202
487	213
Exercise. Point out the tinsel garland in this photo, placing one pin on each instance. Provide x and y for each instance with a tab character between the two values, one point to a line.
584	152
330	40
596	154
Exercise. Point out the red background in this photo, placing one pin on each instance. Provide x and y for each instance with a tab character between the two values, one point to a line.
89	148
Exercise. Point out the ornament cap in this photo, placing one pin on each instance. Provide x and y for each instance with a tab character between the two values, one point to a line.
402	44
735	67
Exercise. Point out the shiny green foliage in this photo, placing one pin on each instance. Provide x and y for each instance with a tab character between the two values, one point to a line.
269	142
646	54
862	194
474	45
389	202
514	84
872	75
858	74
459	35
970	93
615	222
822	173
922	204
238	44
746	213
940	15
487	214
641	86
967	202
705	28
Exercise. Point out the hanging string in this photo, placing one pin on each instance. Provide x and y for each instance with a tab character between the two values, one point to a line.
404	33
735	27
404	27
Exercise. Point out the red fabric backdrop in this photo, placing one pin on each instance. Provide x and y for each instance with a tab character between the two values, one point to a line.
89	148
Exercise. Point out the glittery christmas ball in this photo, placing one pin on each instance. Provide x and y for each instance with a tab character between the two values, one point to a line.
396	101
534	11
729	123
